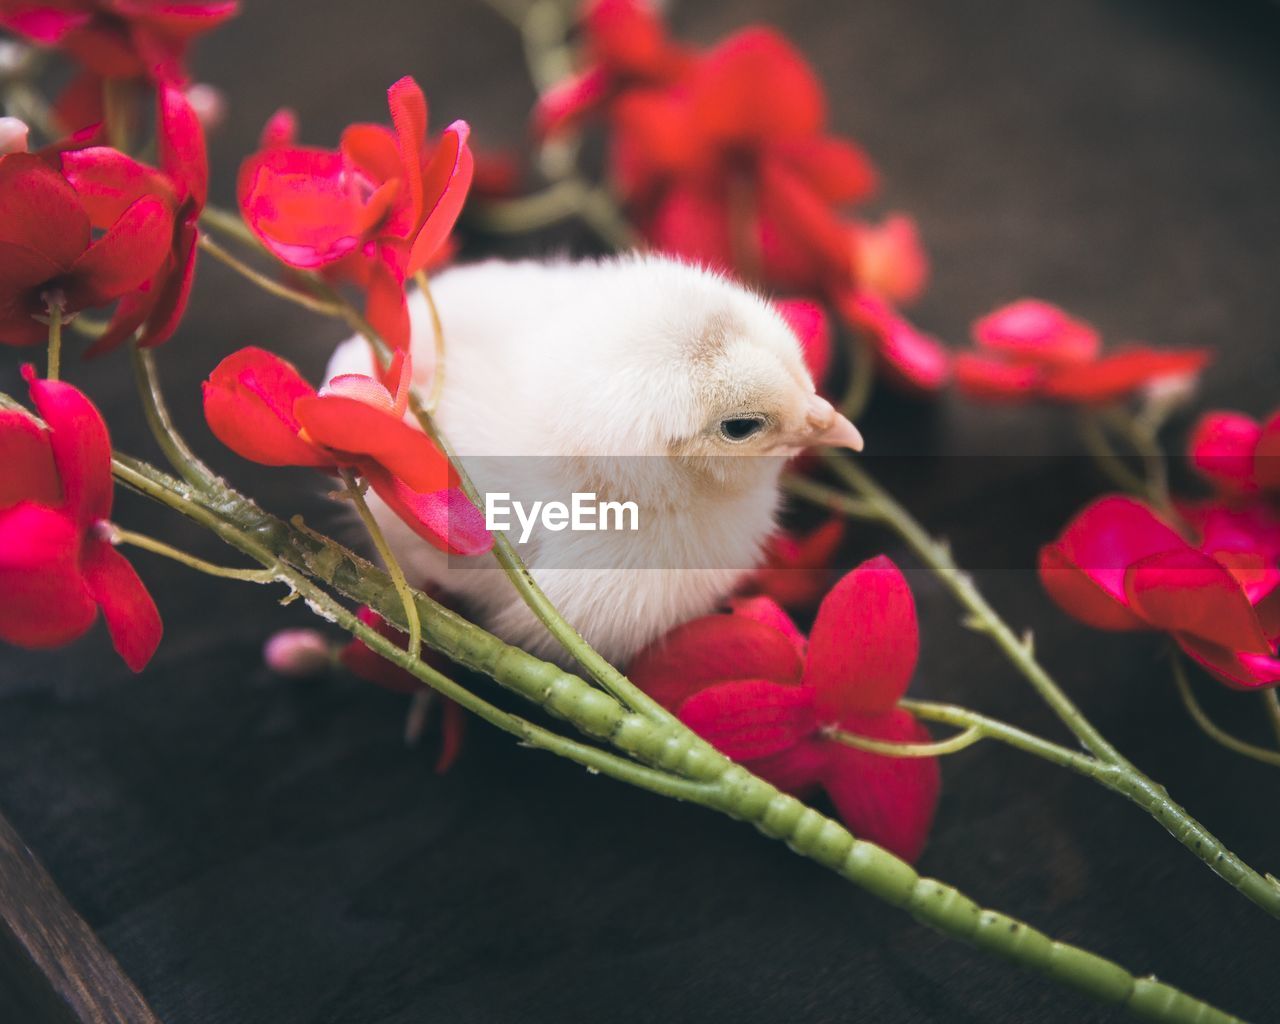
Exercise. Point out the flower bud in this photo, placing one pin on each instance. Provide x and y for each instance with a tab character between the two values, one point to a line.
13	135
209	103
297	653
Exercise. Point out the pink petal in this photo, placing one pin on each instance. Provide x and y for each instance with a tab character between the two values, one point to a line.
131	614
46	603
766	610
1121	373
445	518
887	800
910	356
1222	447
1266	458
864	643
1236	669
812	327
1031	330
182	146
40	211
127	256
29	473
750	718
993	378
80	445
710	650
446	182
1185	591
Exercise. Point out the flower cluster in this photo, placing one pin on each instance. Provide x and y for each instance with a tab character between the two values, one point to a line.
260	407
1031	349
58	566
724	157
752	684
375	211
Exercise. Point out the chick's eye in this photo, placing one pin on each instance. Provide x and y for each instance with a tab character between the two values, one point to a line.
740	428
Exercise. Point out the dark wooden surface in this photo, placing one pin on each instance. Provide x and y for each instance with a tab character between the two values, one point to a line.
256	852
52	966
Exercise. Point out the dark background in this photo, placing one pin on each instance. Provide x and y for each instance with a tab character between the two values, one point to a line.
262	852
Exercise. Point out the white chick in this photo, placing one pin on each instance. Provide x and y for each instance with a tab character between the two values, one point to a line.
634	378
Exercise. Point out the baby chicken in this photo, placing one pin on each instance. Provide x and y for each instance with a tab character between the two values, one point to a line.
631	379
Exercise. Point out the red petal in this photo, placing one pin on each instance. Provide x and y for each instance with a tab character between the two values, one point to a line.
889	259
1236	669
22	272
803	242
797	770
568	101
797	572
1119	375
1222	447
45	601
444	518
913	358
838	170
131	614
44	23
373	148
712	650
1100	544
755	87
1031	330
29	472
302	203
386	308
766	610
127	256
864	643
445	184
813	329
362	431
1185	591
988	377
887	800
80	445
40	211
409	115
1266	458
750	718
248	403
182	146
692	221
109	182
280	131
173	291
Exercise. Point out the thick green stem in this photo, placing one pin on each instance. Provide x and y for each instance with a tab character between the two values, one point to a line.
678	763
1123	777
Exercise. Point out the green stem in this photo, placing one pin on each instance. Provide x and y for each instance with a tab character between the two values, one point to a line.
862	375
556	202
120	535
1207	726
175	449
229	223
389	560
837	501
263	281
679	764
437	336
55	338
960	741
1271	701
1124	777
1106	457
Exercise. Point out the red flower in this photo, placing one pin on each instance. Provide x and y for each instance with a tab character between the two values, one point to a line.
628	50
908	356
889	259
259	406
375	211
108	182
797	570
1237	453
733	168
57	564
47	248
1031	349
752	685
118	38
813	330
1119	566
359	660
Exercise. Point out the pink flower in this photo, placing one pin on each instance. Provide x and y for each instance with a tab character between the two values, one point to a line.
57	564
1239	455
755	687
1120	566
797	570
375	211
1031	349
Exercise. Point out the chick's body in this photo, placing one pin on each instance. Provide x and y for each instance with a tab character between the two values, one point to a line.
614	378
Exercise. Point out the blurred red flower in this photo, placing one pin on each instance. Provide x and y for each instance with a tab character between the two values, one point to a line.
375	211
48	252
108	182
797	569
752	685
1031	349
118	38
1119	566
57	562
361	661
1239	455
259	406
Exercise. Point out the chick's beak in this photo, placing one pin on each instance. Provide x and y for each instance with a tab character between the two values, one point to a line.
826	428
